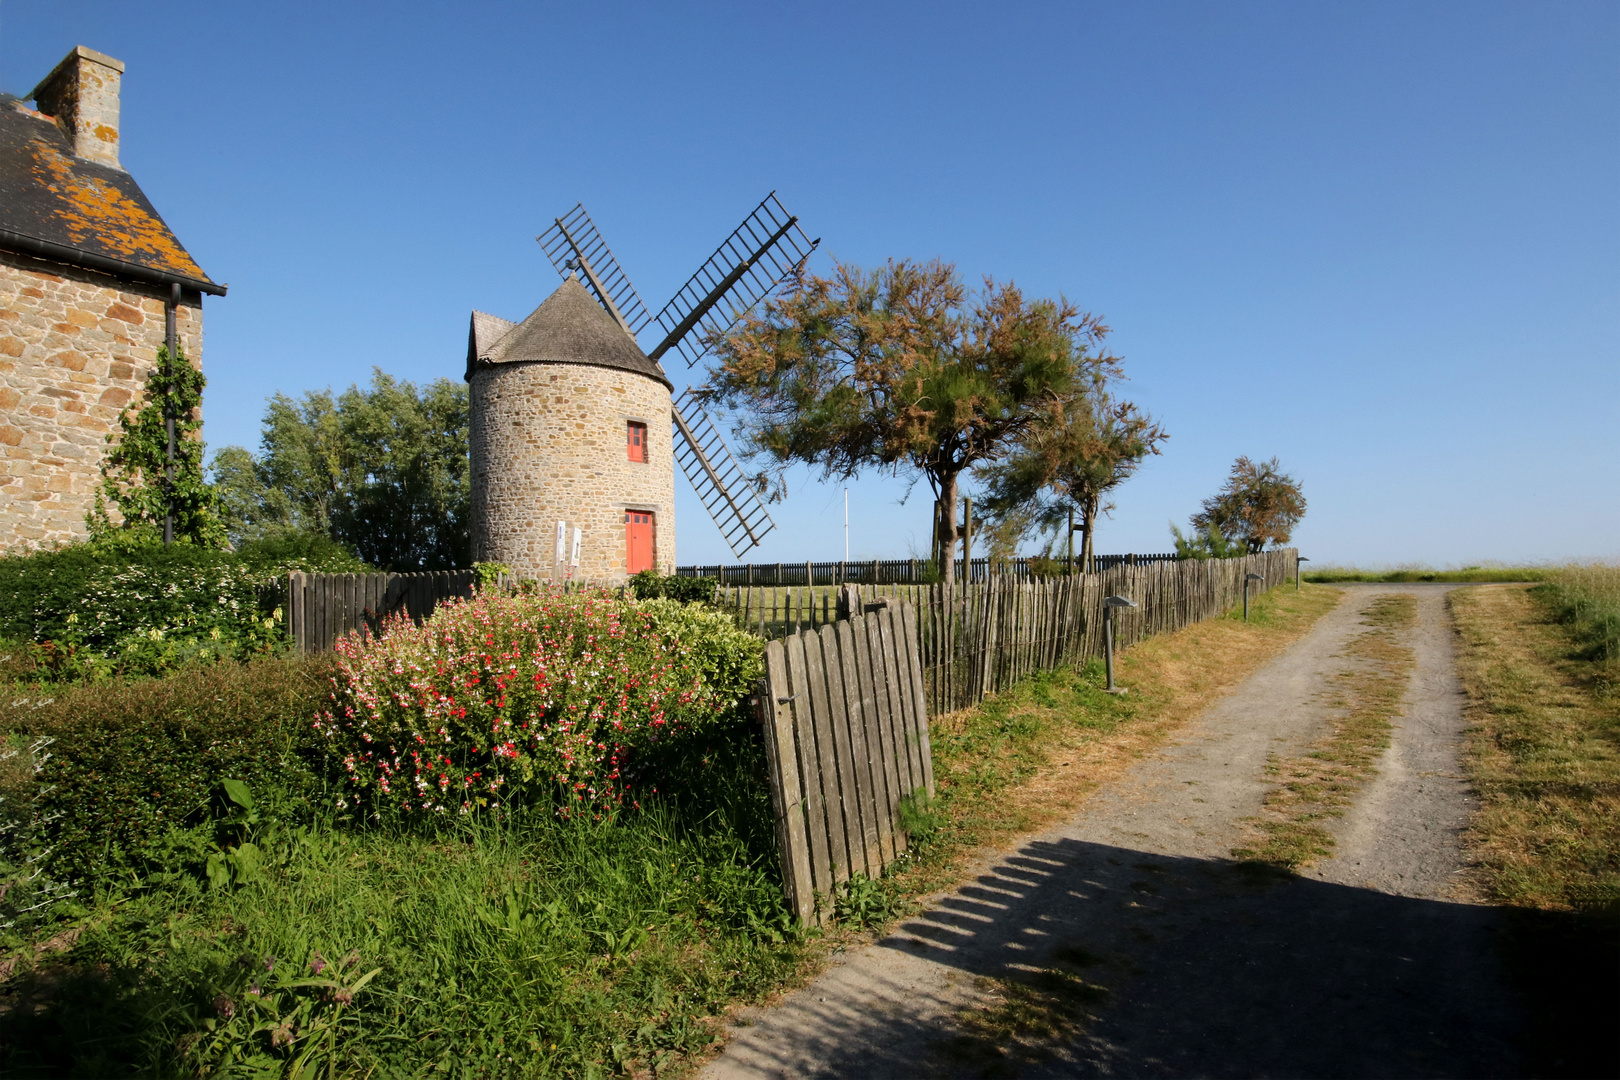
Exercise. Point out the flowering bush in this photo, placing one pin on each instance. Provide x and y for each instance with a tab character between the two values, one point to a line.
505	699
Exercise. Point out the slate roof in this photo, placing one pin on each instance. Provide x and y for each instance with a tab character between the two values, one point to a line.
570	327
61	207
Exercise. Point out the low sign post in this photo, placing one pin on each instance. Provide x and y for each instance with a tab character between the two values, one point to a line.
1297	560
1109	604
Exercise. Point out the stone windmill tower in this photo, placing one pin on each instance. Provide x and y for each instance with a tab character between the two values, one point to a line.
574	432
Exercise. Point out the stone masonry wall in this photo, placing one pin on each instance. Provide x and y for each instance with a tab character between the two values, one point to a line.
548	445
75	347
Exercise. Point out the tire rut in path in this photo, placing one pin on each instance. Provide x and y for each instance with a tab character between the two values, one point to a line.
1367	965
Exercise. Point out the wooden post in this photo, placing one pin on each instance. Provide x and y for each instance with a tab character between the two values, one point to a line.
786	799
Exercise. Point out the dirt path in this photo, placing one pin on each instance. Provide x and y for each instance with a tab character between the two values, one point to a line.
1128	943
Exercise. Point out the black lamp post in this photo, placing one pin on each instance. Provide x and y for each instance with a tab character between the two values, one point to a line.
1297	560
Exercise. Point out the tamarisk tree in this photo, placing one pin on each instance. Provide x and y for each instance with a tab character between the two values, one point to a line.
1066	466
1259	504
137	474
900	367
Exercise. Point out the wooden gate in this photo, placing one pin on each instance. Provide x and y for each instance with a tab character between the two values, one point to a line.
321	608
846	736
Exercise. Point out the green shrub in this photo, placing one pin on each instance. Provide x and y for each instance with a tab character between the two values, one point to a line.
284	550
649	585
128	605
136	765
530	698
28	889
921	816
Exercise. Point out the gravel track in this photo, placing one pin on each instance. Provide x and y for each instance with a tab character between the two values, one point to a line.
1373	963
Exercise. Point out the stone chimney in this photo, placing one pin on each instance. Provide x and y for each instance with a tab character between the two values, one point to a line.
82	94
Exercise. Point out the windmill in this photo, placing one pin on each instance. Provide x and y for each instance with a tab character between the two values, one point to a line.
765	250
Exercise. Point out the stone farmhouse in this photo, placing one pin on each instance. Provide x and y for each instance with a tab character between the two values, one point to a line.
88	271
570	428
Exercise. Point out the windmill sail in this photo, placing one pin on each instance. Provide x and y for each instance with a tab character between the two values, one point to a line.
573	242
764	250
727	495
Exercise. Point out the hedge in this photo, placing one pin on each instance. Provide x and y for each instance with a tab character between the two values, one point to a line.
136	765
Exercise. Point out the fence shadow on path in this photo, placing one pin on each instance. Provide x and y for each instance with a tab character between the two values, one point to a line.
1204	967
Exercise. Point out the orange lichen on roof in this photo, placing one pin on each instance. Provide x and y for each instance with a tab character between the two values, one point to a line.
91	209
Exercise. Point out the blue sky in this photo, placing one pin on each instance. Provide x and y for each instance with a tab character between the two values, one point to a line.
1380	241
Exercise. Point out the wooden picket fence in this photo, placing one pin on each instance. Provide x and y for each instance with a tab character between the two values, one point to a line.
980	639
897	571
321	608
846	737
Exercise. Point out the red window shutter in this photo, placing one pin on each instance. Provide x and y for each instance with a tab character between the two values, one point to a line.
636	437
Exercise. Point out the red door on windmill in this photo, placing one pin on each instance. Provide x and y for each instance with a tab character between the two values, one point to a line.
638	541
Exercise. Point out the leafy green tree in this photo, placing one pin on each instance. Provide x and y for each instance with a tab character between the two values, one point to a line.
1065	467
248	509
382	471
133	474
900	368
1259	505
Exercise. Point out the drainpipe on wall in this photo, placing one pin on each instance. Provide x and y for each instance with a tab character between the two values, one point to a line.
168	414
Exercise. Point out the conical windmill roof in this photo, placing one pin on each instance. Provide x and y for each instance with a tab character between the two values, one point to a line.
570	327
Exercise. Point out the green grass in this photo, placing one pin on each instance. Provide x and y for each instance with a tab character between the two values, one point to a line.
536	948
1586	599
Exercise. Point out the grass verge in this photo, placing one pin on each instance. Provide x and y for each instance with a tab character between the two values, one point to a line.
1321	784
553	948
1544	755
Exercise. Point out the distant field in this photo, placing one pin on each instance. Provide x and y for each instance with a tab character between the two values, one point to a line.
1476	574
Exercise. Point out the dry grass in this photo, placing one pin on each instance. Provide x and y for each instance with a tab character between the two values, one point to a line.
1321	784
1544	755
